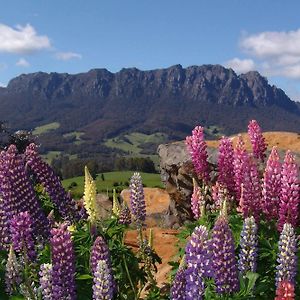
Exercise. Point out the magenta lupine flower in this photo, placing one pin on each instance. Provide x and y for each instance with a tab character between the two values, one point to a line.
178	287
287	255
285	291
125	215
13	272
63	264
225	165
103	288
223	260
4	227
248	243
22	235
258	142
46	281
289	196
46	176
197	147
240	159
18	194
197	258
272	186
137	199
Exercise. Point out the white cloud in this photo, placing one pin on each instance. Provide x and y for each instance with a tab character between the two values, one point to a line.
67	55
241	65
22	62
2	84
22	39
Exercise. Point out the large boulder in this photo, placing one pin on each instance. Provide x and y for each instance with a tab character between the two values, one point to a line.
177	174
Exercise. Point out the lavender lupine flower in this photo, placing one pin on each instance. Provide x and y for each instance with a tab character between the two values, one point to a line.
223	258
125	215
251	190
287	255
63	264
13	272
272	186
258	142
197	147
225	165
248	243
137	199
289	196
46	281
285	291
240	158
103	288
178	287
22	235
17	191
197	258
46	176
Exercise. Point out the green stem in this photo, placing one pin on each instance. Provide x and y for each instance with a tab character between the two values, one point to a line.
129	277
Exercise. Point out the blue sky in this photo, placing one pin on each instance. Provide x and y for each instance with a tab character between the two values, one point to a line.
75	36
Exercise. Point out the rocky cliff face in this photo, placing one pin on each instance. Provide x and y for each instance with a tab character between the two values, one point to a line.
171	100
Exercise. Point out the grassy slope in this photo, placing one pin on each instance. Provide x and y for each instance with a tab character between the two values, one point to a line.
46	128
150	180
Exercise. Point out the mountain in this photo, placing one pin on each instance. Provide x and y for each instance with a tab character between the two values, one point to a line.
100	105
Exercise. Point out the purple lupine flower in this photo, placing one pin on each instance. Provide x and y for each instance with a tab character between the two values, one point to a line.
223	258
46	281
63	264
22	235
248	242
197	258
46	176
287	255
272	186
240	158
103	288
137	199
4	228
125	215
178	287
289	196
258	142
225	165
251	190
195	199
197	147
18	194
12	272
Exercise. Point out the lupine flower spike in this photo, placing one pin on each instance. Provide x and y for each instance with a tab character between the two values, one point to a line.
103	287
197	148
258	142
285	291
125	215
22	235
46	281
287	255
137	199
289	197
225	165
63	262
223	257
178	287
13	272
272	186
116	204
248	244
197	263
89	197
195	199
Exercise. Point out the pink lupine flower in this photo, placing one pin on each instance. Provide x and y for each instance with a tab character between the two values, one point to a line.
240	158
195	200
251	190
198	149
289	196
258	142
272	186
225	165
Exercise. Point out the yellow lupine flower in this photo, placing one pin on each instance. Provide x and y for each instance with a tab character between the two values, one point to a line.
116	206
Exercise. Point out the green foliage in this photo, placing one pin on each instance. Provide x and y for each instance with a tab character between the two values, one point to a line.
46	128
